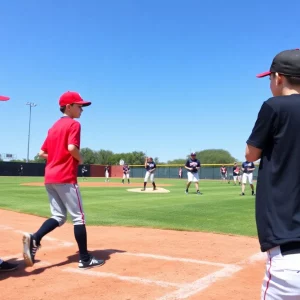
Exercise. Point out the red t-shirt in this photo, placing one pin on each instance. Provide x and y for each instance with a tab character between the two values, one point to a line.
61	166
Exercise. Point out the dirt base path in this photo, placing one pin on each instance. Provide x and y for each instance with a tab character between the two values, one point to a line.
100	184
140	264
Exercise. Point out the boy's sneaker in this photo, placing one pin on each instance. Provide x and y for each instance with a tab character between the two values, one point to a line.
242	194
199	193
186	191
30	247
7	267
92	262
253	194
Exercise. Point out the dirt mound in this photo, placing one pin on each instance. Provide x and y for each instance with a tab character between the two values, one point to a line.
99	184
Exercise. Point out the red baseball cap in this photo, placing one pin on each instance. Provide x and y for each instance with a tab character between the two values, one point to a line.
4	98
72	98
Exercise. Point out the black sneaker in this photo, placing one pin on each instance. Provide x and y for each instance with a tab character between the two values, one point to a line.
92	262
7	267
253	194
242	194
30	247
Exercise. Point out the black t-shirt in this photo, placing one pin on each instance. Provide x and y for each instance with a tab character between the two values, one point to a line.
276	132
193	163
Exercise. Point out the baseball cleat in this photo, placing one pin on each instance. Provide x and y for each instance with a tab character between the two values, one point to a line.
92	262
29	249
7	267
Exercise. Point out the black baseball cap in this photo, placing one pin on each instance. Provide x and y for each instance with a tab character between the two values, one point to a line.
286	63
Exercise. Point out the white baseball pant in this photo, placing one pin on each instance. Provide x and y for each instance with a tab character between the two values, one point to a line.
126	176
282	277
148	174
248	177
193	177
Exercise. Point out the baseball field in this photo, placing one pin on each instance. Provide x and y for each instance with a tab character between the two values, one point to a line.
156	245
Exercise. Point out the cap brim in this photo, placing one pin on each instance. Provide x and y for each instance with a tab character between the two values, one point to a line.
84	103
264	74
4	98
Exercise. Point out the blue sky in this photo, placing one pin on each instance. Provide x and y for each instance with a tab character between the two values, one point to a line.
163	76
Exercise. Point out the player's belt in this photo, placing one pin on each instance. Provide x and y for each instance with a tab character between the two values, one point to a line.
290	248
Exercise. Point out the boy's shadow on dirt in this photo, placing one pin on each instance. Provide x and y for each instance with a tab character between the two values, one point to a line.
24	271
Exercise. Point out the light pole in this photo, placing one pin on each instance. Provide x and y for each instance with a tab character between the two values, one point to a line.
30	106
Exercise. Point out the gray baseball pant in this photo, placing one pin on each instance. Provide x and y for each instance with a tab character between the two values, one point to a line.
65	198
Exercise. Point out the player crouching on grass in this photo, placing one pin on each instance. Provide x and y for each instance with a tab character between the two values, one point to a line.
61	150
150	167
193	166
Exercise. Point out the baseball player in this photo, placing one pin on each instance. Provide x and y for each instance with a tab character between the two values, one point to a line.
193	166
236	174
83	171
126	170
150	167
180	173
275	140
247	168
106	171
61	150
6	266
223	172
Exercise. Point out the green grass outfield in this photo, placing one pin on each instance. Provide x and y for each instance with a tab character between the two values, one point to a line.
220	209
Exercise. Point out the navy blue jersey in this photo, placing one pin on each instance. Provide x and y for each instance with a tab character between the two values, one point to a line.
126	169
248	165
193	163
150	166
107	169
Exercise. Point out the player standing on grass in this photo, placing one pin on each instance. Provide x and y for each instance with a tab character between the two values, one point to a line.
150	167
275	139
193	166
126	170
236	174
223	172
106	171
247	168
4	265
61	150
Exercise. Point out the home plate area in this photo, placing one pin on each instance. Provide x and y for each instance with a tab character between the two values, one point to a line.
149	190
140	263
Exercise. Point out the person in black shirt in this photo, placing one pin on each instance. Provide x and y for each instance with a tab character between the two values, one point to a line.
193	166
275	140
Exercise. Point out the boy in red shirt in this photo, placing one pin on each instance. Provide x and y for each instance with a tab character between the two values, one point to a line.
61	150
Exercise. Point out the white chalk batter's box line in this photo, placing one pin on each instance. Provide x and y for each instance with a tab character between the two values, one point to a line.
60	243
183	290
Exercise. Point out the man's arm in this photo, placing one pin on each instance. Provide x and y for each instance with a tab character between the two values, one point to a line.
262	132
252	153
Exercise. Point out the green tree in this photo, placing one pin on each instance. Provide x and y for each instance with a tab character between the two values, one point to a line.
178	161
88	155
38	159
103	157
215	156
